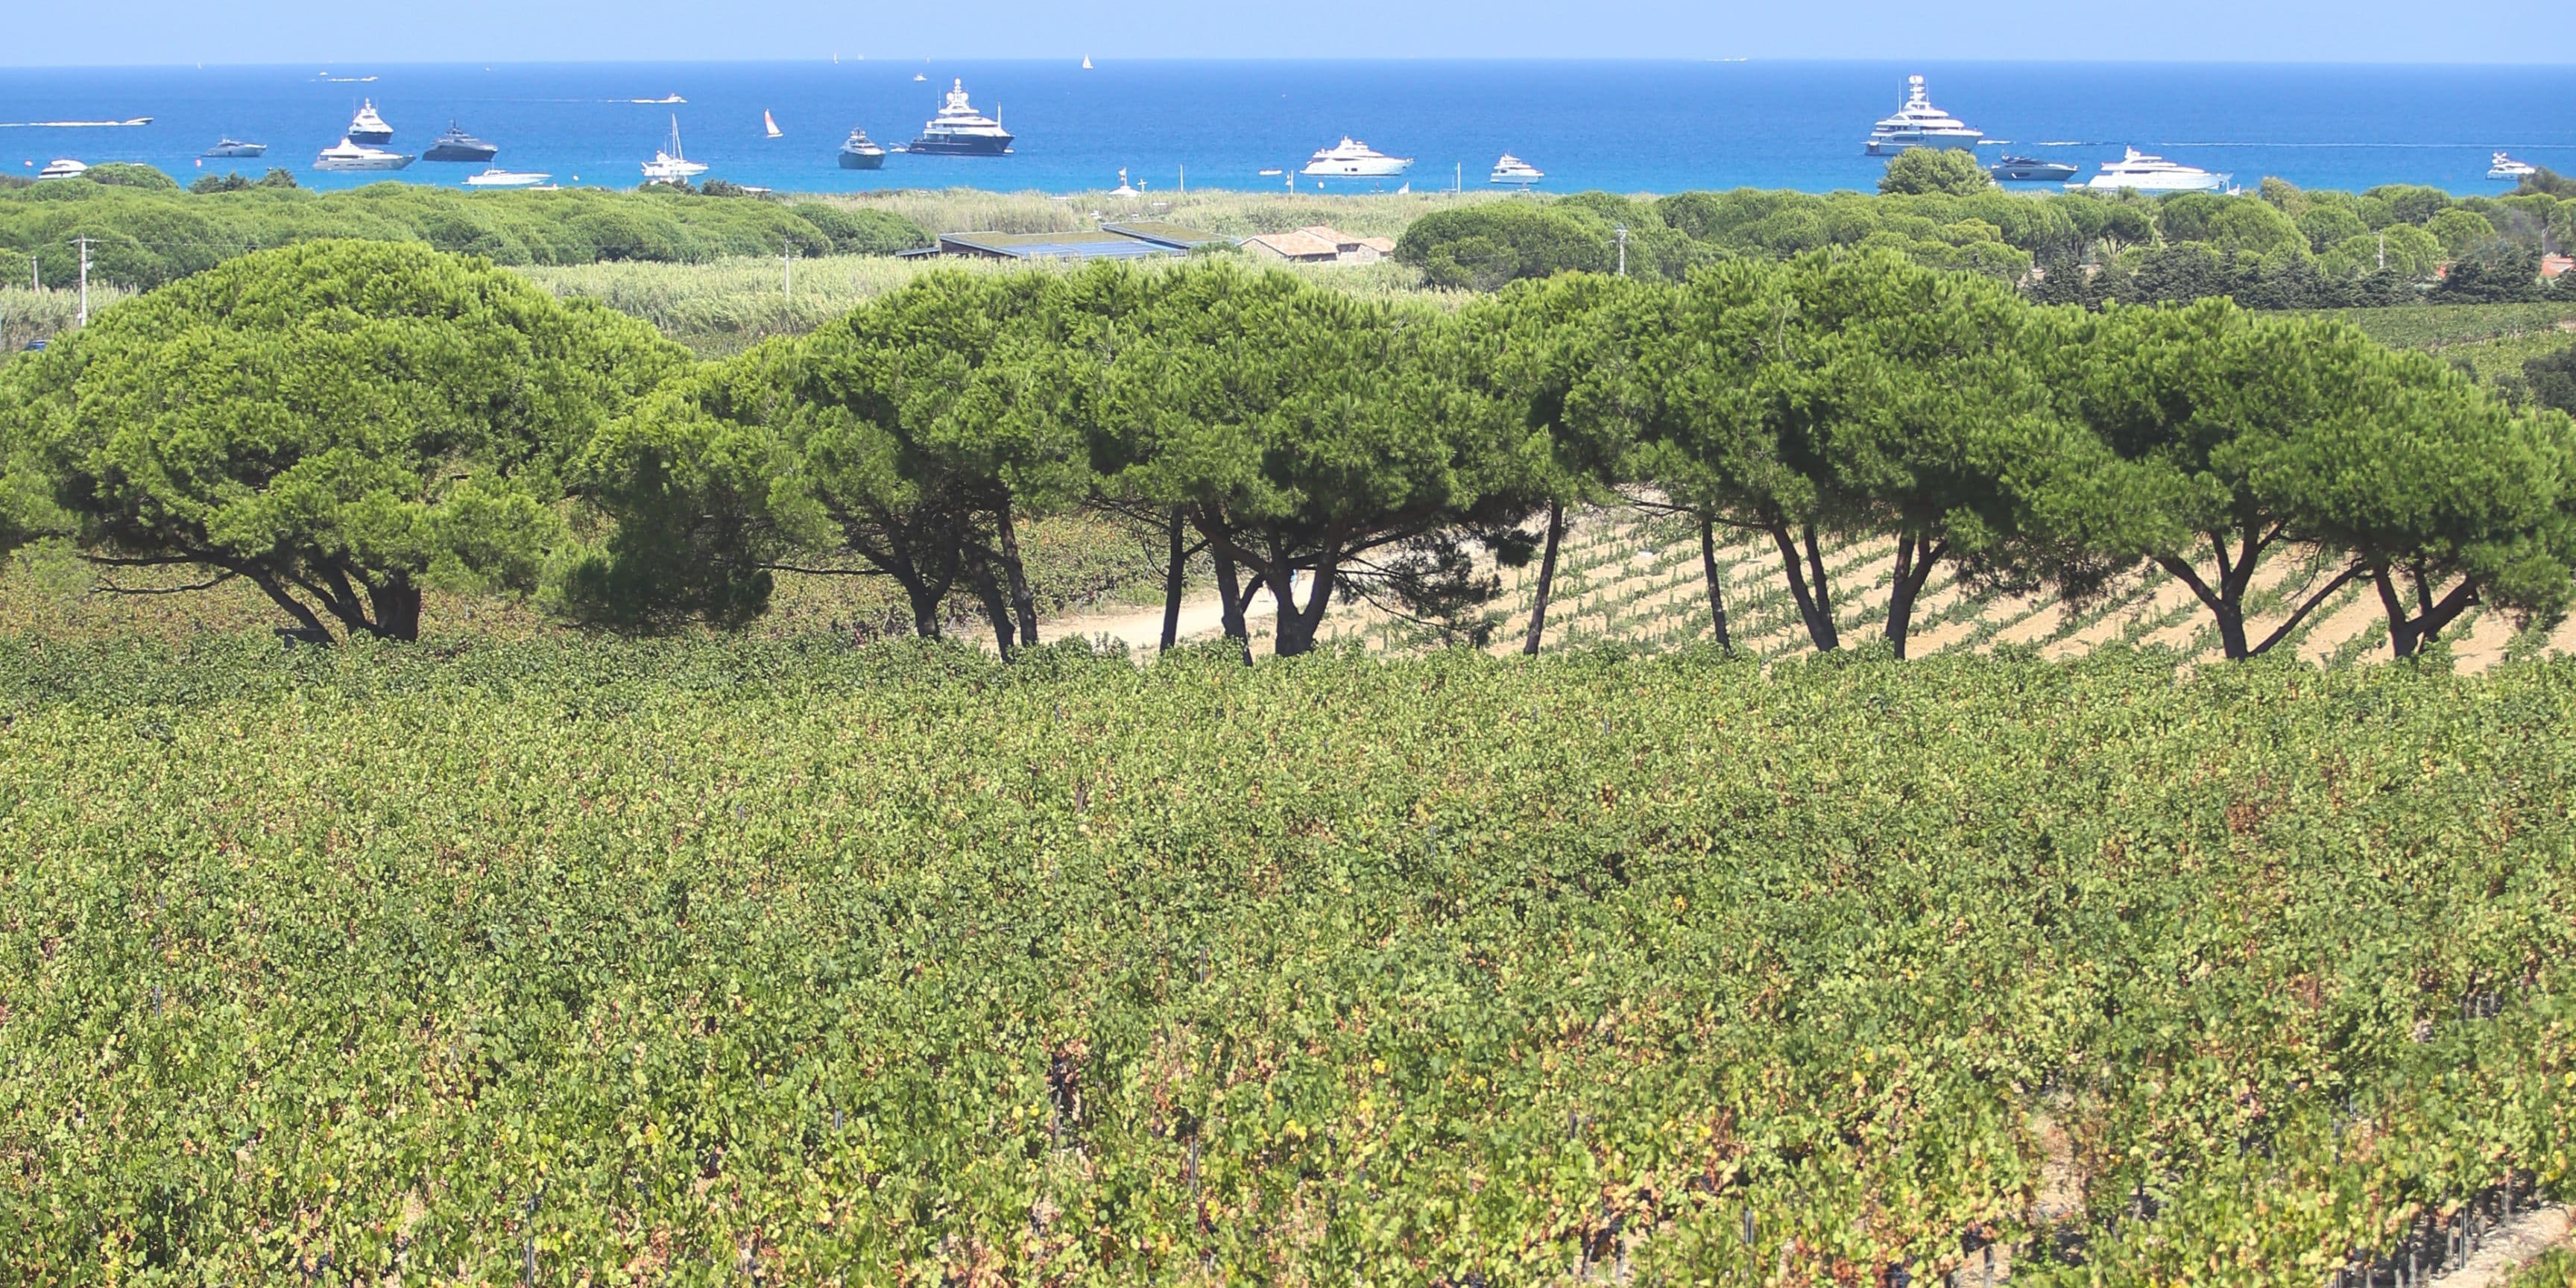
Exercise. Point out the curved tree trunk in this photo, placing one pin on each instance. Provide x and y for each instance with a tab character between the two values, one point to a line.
1546	578
1299	624
1807	585
1024	605
2409	630
1915	560
397	610
1175	571
997	610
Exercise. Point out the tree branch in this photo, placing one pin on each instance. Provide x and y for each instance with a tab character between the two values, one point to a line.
2340	580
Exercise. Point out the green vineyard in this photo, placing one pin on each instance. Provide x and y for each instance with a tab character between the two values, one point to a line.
582	961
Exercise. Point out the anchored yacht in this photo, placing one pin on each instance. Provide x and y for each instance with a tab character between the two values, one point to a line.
62	168
859	152
1918	124
1515	172
2029	169
232	147
2505	167
500	178
457	145
367	127
2153	174
349	154
1352	159
961	131
669	165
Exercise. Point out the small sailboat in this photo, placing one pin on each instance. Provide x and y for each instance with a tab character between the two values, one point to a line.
919	77
669	165
1086	62
770	123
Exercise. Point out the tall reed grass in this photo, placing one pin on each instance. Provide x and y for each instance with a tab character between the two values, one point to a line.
27	315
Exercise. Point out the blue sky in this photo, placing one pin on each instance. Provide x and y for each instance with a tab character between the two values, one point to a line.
91	32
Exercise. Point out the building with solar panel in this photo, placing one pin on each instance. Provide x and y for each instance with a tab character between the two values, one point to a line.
1109	241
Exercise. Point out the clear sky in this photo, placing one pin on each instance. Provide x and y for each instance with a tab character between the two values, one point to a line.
340	33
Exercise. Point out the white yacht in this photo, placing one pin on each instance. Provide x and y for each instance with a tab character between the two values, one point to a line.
1918	124
348	154
2505	167
961	131
2152	174
500	178
368	127
62	168
1124	188
1514	171
1352	159
669	165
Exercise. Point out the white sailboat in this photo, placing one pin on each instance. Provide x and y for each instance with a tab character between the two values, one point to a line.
770	123
1086	62
669	165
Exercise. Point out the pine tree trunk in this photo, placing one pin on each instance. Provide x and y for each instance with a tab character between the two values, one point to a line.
1546	578
1175	569
1716	581
1023	604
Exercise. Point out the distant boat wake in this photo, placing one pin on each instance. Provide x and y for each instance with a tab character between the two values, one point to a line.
73	125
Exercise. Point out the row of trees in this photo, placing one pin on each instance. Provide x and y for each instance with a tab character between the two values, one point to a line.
345	424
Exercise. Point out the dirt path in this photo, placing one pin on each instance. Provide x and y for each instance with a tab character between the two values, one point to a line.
2520	1241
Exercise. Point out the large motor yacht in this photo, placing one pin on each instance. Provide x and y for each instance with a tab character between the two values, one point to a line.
1515	172
348	154
62	168
961	131
457	145
1352	159
368	127
232	147
2029	170
1918	124
670	165
2153	174
500	178
2505	167
859	152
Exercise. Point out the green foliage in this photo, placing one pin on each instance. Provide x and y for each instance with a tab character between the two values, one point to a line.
126	174
2553	379
1484	247
1946	171
340	424
896	965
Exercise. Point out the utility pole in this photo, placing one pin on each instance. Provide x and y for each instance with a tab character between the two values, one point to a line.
2383	250
84	283
35	274
1622	230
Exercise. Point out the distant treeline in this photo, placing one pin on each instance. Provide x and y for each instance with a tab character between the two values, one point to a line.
2288	248
145	232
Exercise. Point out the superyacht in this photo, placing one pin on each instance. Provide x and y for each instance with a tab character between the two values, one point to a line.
2147	173
2505	167
1513	171
2030	170
669	165
1918	124
859	152
348	154
961	131
232	147
367	127
1352	159
457	145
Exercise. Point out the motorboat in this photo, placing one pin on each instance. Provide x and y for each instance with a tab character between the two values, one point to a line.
859	152
1918	124
2505	167
669	165
500	178
349	154
1515	172
2145	173
667	100
368	127
457	145
961	131
2030	170
1352	159
62	168
232	147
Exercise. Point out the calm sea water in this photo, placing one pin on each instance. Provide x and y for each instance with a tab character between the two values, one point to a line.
1622	126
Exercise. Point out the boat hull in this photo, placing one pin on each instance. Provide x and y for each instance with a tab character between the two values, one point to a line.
242	153
961	147
2055	172
863	160
370	163
461	152
372	138
1888	145
1386	168
2162	183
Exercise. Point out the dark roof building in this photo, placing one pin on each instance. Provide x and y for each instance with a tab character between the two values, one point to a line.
1109	241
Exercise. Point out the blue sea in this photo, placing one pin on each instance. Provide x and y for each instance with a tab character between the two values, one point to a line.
1620	126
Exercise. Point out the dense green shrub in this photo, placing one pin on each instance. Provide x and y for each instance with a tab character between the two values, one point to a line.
1483	247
